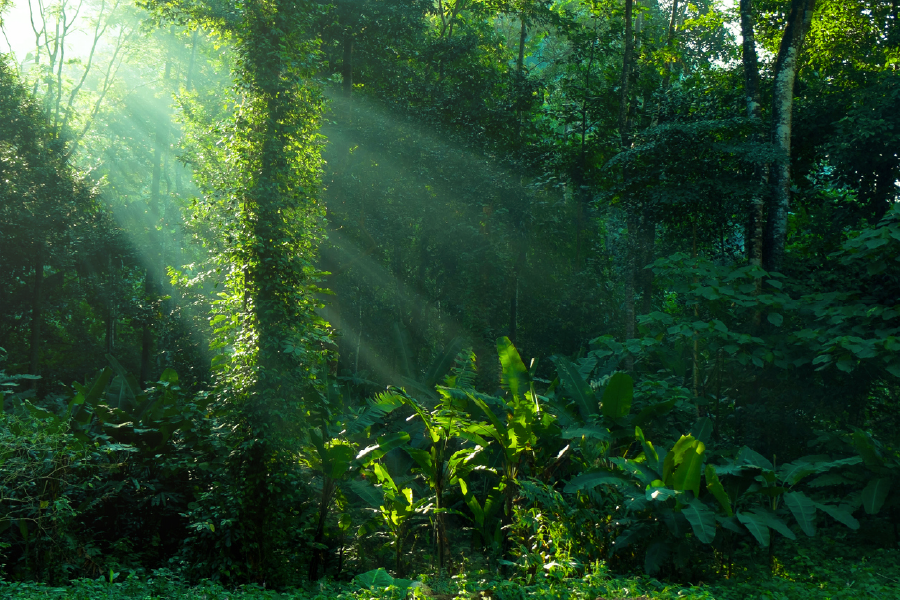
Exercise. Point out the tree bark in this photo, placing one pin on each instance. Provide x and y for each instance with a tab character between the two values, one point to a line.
787	65
761	172
152	274
37	303
347	66
670	39
633	226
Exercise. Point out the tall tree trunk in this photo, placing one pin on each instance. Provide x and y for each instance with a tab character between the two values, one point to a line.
581	192
347	66
761	172
633	226
37	304
153	272
523	35
786	66
670	40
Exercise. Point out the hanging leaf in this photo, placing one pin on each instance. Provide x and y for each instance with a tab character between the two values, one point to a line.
702	520
377	579
617	397
687	475
756	526
577	388
591	432
803	509
717	490
752	458
839	514
775	523
702	429
514	373
588	481
874	494
650	454
673	457
867	449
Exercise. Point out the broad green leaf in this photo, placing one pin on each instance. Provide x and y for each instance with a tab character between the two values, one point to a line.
617	396
337	458
804	510
472	502
422	457
867	449
577	388
829	479
385	444
384	478
839	514
756	526
641	471
717	490
377	579
371	495
659	493
752	458
687	475
514	373
775	523
792	472
775	319
592	480
591	432
673	457
875	493
702	520
650	453
702	429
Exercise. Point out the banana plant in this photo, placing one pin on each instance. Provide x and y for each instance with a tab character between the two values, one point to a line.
517	431
667	486
602	421
334	456
746	495
113	405
398	512
757	497
440	465
879	472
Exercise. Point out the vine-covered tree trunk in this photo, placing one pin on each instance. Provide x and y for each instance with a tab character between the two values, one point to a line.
786	66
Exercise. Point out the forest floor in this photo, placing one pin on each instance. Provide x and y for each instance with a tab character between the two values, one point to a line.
818	569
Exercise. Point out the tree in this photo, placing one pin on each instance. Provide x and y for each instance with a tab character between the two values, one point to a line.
271	170
47	208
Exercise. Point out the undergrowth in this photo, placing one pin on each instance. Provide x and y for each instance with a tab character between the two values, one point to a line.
825	570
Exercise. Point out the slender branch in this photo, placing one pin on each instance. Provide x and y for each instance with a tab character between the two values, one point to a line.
98	34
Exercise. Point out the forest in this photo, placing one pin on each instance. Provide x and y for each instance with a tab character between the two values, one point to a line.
450	299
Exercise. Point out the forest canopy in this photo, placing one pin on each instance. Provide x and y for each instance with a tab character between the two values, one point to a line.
304	290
